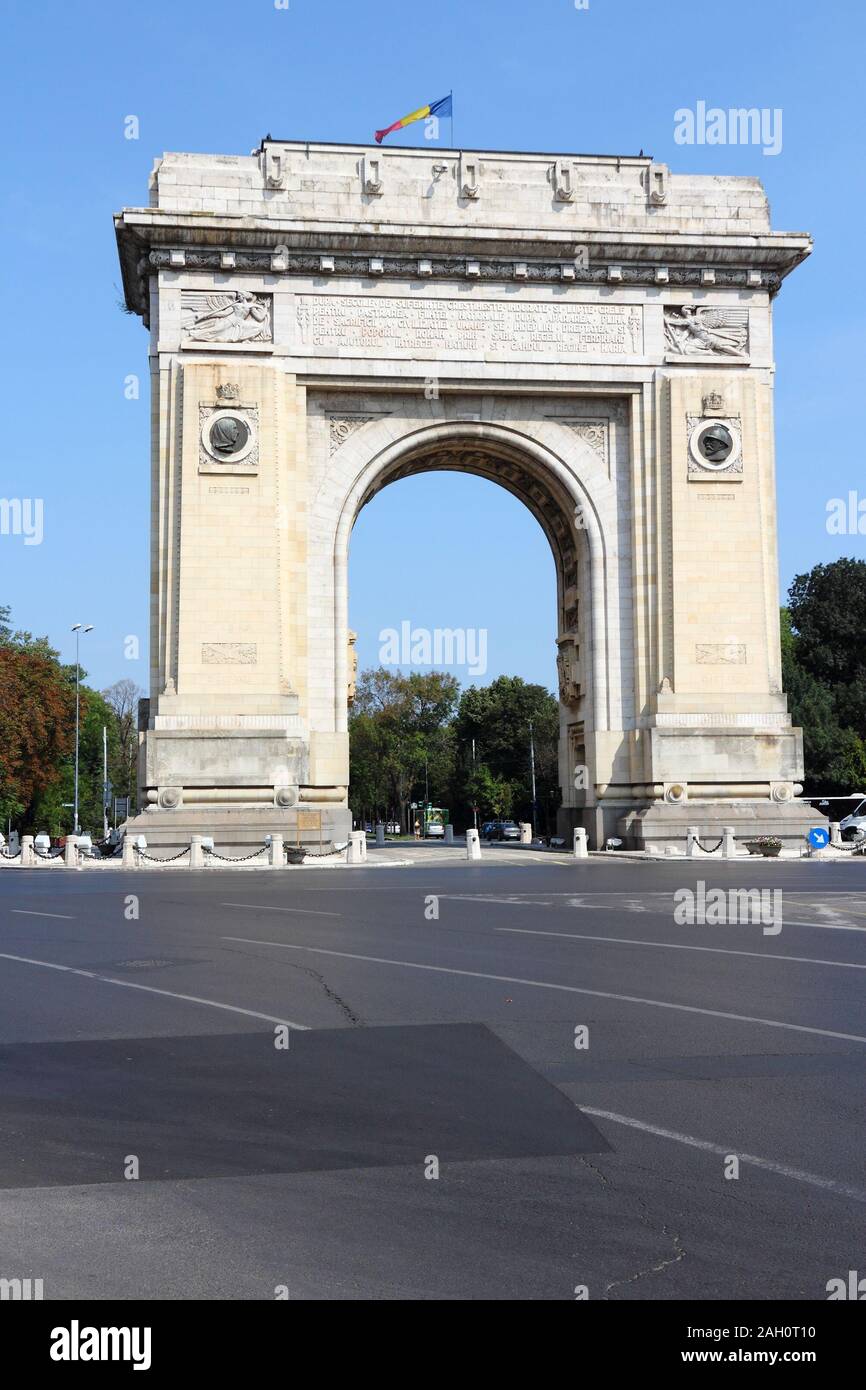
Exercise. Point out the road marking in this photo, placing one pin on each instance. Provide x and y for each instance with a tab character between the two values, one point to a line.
675	946
261	907
770	1165
514	901
546	984
151	989
24	912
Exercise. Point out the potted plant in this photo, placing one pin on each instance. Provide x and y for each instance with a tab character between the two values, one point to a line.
767	845
295	854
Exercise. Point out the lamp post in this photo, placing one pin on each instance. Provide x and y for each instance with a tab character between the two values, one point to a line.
532	766
77	629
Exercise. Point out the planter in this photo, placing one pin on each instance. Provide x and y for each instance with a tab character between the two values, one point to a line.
295	854
765	851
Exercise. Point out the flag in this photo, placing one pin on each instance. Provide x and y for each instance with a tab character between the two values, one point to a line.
438	108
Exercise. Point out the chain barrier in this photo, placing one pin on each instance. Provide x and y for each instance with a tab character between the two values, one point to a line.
323	854
712	849
52	853
168	860
4	854
230	859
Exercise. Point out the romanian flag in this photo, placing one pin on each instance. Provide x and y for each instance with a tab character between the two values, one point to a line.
438	108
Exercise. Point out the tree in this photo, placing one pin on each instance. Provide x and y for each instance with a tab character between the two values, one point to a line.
498	718
123	698
37	712
824	673
399	730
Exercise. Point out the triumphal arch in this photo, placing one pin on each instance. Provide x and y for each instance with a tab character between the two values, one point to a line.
591	332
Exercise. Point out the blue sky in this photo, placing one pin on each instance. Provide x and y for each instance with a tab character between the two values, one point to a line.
526	74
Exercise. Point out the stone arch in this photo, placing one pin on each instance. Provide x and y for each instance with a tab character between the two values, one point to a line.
553	470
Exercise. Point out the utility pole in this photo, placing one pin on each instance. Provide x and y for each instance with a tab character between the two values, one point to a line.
104	783
474	807
77	629
532	765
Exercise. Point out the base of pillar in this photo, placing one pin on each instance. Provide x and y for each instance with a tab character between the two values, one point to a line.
665	826
235	829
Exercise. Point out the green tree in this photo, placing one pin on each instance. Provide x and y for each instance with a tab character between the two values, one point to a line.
498	717
36	720
400	741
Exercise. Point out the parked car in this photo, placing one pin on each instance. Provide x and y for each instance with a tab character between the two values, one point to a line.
503	830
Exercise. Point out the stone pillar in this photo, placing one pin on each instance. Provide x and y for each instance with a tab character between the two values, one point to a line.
835	833
525	833
196	853
692	834
70	853
473	844
129	852
449	834
28	856
380	836
729	842
277	857
580	849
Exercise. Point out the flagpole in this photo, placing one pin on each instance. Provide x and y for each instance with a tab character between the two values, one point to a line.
452	119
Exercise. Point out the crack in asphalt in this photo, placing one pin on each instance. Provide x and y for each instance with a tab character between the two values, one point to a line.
646	1220
346	1009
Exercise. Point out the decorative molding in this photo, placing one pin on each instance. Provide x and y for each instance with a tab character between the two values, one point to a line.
569	671
712	720
343	426
244	459
229	654
593	432
702	469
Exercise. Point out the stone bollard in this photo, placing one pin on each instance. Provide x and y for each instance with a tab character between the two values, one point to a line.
581	848
196	852
277	856
835	833
449	834
28	854
729	842
70	853
525	833
128	853
380	836
357	851
473	844
692	835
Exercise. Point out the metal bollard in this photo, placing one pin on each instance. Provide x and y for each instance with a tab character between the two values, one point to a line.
580	849
357	851
692	835
70	853
28	854
380	836
196	852
729	842
473	844
277	857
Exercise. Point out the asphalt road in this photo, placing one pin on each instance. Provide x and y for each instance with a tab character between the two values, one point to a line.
286	1061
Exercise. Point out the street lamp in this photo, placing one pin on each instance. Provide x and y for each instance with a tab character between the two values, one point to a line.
77	629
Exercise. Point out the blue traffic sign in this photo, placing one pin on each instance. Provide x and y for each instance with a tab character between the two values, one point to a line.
819	837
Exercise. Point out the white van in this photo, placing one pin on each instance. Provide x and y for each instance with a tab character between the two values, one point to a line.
853	827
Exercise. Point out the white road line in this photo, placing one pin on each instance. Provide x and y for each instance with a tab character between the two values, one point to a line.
568	989
512	901
675	946
150	989
261	907
23	912
770	1165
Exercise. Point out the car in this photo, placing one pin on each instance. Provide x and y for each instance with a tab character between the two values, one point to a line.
503	830
435	830
486	828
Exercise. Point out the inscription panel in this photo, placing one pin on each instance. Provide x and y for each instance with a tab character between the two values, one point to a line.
338	323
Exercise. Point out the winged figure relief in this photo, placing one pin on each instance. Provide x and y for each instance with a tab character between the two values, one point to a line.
236	317
692	330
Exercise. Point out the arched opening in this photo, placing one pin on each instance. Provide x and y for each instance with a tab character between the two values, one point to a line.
566	518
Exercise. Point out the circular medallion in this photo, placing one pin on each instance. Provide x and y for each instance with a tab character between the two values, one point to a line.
715	445
227	436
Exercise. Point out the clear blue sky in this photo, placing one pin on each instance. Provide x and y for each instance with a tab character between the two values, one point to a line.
216	75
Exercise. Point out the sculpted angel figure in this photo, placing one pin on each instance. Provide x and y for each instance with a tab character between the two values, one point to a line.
237	317
706	330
